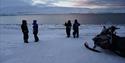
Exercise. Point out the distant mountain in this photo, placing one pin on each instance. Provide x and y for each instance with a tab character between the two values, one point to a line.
21	10
40	10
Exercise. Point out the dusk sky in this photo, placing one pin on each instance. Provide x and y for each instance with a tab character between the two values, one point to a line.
90	4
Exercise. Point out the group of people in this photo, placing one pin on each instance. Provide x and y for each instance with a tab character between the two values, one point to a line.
25	30
75	28
68	25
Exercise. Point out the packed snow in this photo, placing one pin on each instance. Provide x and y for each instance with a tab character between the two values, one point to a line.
54	46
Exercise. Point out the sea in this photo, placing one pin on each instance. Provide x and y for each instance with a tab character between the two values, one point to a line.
86	18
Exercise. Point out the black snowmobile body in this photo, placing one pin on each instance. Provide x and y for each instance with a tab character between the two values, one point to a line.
110	42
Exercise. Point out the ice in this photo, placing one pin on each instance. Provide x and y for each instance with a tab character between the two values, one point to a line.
54	46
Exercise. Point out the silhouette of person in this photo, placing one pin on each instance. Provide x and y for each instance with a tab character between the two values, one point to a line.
35	30
68	28
25	31
76	29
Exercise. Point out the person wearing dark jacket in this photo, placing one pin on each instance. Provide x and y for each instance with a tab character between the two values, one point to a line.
68	28
76	29
25	31
35	30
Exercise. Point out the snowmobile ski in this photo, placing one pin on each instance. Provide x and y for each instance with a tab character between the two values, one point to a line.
86	45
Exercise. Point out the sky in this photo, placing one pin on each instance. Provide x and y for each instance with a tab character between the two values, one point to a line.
90	4
82	3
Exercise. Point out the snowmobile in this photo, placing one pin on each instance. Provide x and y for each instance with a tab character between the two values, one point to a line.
108	40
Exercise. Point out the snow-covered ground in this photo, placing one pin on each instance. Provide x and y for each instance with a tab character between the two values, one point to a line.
54	46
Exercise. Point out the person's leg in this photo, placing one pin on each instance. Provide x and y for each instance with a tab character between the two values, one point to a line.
36	37
77	33
68	32
74	34
26	37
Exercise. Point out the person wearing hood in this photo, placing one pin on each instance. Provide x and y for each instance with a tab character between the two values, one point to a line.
76	29
25	31
68	28
35	30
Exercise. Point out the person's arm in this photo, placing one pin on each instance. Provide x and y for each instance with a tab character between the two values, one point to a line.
70	24
65	24
27	29
21	28
79	24
37	26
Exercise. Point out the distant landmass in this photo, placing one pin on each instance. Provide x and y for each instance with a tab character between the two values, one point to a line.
24	10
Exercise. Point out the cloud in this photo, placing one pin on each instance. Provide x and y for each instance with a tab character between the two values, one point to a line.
65	3
37	2
47	6
101	3
81	3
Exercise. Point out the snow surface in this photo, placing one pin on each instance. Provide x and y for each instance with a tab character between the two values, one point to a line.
54	46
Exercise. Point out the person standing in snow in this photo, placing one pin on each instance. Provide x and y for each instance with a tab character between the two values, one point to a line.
68	28
25	31
35	30
76	29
